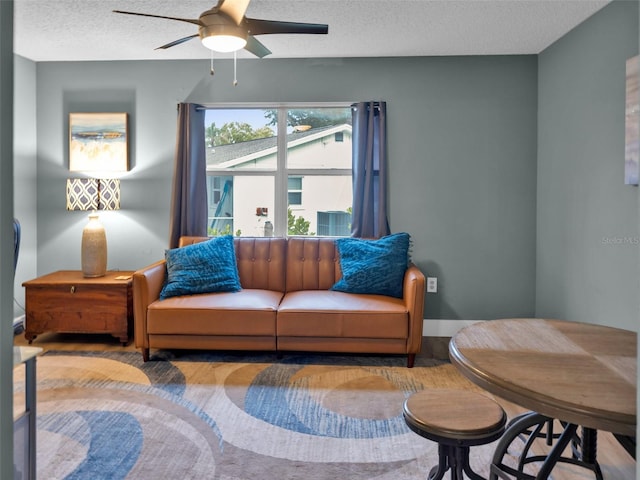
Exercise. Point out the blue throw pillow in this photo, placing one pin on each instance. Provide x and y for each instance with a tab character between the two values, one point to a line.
373	266
203	267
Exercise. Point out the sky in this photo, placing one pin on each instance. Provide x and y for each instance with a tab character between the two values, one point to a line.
254	117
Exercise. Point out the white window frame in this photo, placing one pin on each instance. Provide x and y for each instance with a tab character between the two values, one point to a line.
281	173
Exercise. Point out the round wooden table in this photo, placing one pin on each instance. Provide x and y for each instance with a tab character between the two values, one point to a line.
580	374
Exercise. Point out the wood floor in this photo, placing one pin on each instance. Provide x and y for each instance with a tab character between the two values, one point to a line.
615	462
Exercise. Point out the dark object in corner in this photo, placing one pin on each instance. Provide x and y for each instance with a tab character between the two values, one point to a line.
18	327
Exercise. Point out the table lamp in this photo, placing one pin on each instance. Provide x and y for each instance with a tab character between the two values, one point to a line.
93	194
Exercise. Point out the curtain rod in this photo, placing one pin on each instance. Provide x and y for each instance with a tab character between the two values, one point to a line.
270	106
376	105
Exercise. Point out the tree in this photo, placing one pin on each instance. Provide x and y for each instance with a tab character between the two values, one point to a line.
214	232
210	134
297	225
234	132
315	118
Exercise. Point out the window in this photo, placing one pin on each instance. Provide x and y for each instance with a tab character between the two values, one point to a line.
294	191
220	201
334	223
283	167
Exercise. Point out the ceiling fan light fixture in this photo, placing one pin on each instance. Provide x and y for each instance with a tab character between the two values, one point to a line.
224	43
223	38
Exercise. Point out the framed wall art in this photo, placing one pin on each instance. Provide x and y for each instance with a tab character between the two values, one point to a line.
98	142
632	123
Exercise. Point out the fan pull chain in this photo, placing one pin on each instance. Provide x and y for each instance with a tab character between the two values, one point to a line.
235	61
212	71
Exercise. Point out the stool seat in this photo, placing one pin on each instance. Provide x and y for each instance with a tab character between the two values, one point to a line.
456	420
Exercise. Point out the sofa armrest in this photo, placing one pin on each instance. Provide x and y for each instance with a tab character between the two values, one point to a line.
413	296
147	284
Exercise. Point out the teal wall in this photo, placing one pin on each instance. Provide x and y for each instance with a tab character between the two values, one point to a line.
588	235
25	175
462	147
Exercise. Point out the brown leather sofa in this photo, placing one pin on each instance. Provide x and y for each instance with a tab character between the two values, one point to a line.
285	305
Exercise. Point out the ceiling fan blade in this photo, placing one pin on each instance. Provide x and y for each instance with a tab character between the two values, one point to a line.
255	47
195	21
177	42
234	9
263	27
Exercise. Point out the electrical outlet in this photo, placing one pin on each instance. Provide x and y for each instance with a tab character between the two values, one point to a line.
432	284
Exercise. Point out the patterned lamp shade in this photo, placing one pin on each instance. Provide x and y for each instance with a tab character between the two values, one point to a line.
82	194
93	194
109	191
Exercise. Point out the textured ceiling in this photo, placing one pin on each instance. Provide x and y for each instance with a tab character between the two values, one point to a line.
69	30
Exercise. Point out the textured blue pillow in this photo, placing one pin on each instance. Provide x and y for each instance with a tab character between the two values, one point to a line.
373	266
203	267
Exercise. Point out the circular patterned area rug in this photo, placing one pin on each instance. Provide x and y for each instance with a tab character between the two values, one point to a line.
108	415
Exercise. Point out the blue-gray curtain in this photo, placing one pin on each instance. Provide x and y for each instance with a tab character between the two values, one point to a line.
189	196
369	215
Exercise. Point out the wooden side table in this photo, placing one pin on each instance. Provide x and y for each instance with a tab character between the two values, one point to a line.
65	301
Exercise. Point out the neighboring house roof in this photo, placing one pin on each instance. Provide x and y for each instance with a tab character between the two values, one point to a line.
235	154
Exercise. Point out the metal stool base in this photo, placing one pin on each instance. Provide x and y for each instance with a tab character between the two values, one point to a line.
528	427
456	459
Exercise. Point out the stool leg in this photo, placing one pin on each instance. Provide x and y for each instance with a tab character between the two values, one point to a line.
437	473
462	456
455	459
458	463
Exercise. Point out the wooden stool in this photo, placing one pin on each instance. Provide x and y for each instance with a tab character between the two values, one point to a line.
457	420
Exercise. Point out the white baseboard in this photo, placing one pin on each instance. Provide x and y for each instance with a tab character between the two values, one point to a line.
443	328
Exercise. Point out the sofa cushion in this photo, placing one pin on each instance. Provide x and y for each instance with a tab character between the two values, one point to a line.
247	312
373	266
326	313
201	268
312	263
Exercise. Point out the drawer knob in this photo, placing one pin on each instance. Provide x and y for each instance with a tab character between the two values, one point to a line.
73	289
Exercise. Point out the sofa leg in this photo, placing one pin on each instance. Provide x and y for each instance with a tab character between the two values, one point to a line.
145	354
411	358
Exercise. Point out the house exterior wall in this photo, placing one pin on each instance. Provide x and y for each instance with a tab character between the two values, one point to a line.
323	193
319	193
325	152
250	193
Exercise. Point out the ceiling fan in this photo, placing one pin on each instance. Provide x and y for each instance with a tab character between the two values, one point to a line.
224	28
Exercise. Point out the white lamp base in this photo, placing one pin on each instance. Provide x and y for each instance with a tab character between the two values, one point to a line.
94	248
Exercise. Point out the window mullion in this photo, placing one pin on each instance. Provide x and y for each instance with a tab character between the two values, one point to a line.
280	217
